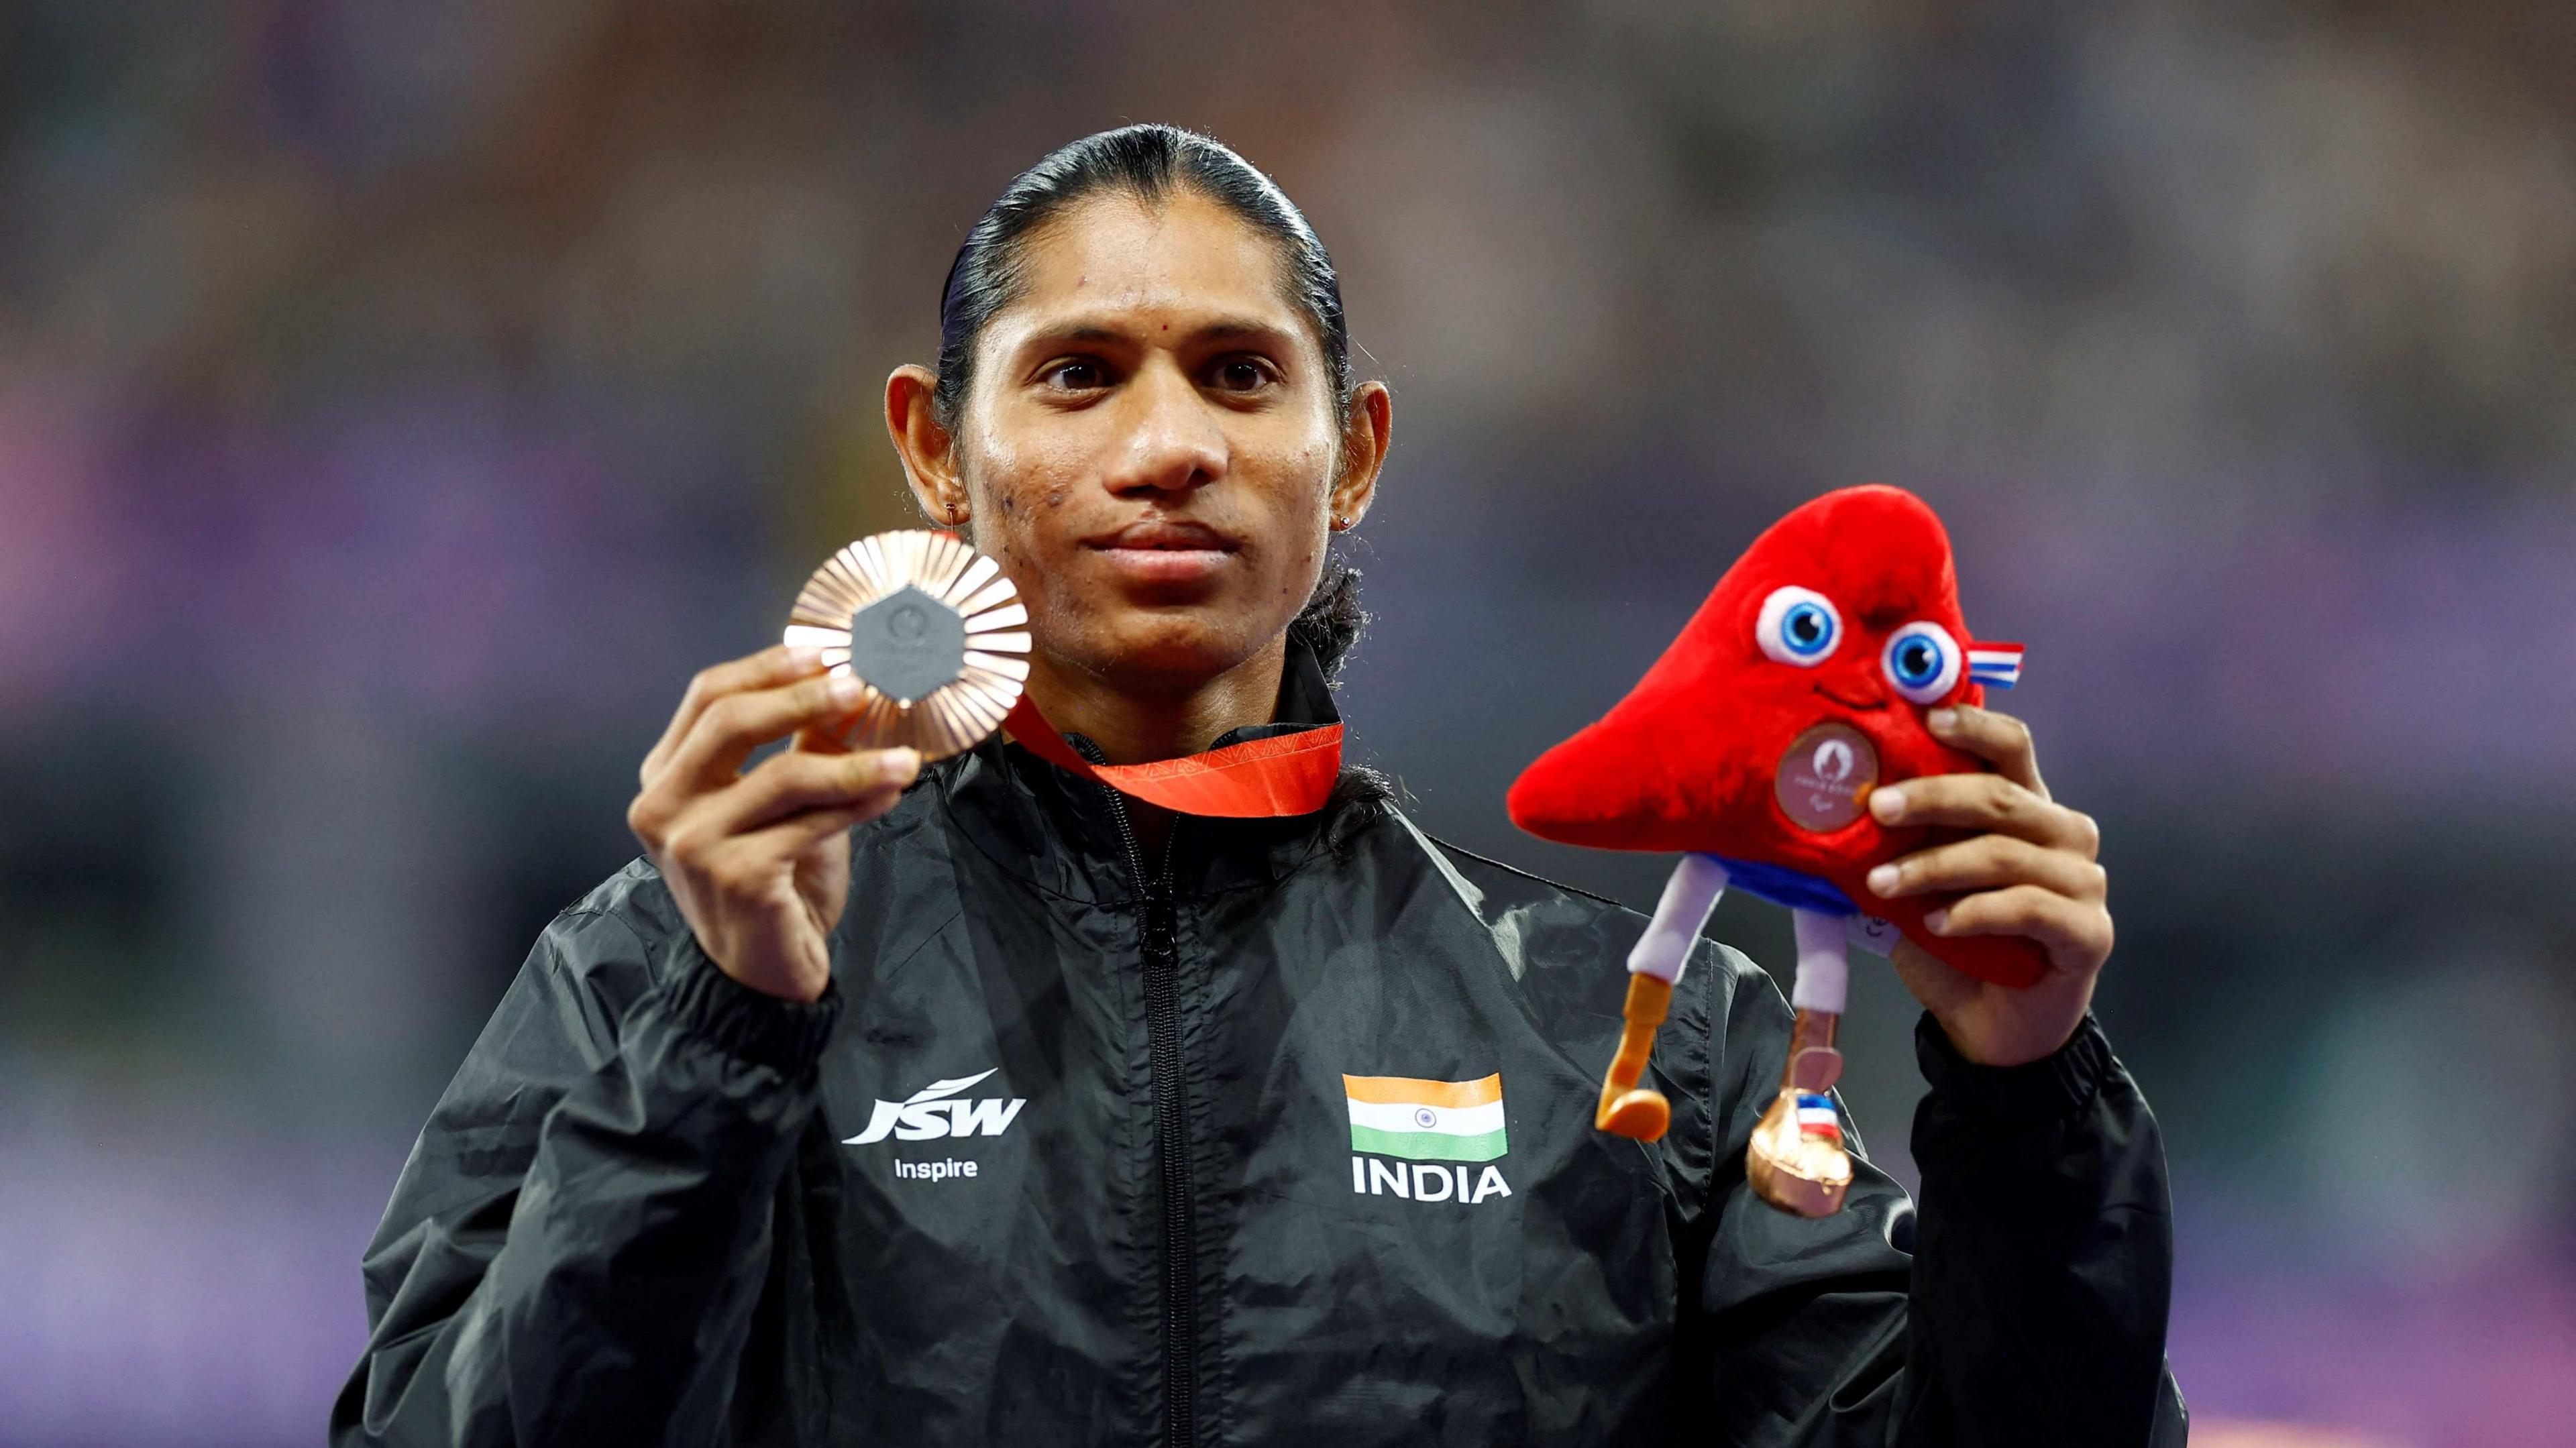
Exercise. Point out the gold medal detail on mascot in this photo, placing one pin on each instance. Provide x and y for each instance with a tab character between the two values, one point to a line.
930	626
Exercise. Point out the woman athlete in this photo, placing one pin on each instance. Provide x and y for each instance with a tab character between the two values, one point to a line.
981	1104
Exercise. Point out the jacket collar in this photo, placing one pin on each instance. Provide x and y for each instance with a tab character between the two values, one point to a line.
1066	836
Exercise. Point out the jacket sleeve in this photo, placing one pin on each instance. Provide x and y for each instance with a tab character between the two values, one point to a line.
573	1251
2026	1302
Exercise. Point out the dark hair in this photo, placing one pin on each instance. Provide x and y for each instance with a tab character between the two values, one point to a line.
1147	163
1150	163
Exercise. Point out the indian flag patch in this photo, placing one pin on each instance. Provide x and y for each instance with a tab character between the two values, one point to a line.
1426	1120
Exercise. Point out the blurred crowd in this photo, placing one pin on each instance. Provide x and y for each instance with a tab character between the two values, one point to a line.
398	401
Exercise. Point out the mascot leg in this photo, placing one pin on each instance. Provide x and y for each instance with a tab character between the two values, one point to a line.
1797	1162
1626	1108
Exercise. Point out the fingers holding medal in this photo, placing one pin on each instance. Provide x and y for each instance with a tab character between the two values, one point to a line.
903	648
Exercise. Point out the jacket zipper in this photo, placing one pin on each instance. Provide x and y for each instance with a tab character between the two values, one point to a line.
1171	1131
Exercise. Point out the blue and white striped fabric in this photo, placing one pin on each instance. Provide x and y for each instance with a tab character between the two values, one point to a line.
1997	666
1816	1116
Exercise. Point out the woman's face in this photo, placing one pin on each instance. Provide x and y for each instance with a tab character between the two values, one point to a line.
1150	446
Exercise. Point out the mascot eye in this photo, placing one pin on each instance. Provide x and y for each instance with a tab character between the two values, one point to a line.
1798	626
1922	661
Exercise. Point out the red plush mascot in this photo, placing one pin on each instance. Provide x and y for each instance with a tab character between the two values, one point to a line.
1752	746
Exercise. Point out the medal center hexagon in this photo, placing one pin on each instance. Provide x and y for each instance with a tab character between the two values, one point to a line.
906	644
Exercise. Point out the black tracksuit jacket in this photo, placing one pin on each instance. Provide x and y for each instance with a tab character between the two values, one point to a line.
1065	1156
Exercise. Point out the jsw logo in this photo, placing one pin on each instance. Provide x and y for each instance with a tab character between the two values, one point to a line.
929	1114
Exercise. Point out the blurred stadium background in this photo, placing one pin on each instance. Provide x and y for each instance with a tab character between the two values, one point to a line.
398	401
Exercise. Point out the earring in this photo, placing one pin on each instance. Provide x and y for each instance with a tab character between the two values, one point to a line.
1340	523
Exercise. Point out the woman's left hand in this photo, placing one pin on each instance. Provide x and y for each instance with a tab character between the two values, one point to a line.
2031	870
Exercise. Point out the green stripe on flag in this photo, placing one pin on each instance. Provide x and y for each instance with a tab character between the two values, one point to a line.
1427	1145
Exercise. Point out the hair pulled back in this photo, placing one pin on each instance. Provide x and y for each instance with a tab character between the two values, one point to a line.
1147	163
1150	163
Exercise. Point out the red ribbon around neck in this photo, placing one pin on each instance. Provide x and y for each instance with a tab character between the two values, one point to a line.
1287	774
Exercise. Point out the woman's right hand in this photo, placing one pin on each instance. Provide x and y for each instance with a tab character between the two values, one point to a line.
759	860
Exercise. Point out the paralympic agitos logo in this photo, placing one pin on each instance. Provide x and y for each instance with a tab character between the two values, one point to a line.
935	1111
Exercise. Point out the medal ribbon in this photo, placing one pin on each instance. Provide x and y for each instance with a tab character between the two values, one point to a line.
1286	774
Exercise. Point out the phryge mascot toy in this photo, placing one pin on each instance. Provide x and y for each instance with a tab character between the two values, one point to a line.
1752	746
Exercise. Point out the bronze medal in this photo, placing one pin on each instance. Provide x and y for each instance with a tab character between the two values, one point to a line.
932	628
1825	777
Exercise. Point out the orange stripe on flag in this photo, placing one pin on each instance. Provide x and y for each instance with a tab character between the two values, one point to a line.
1406	1091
